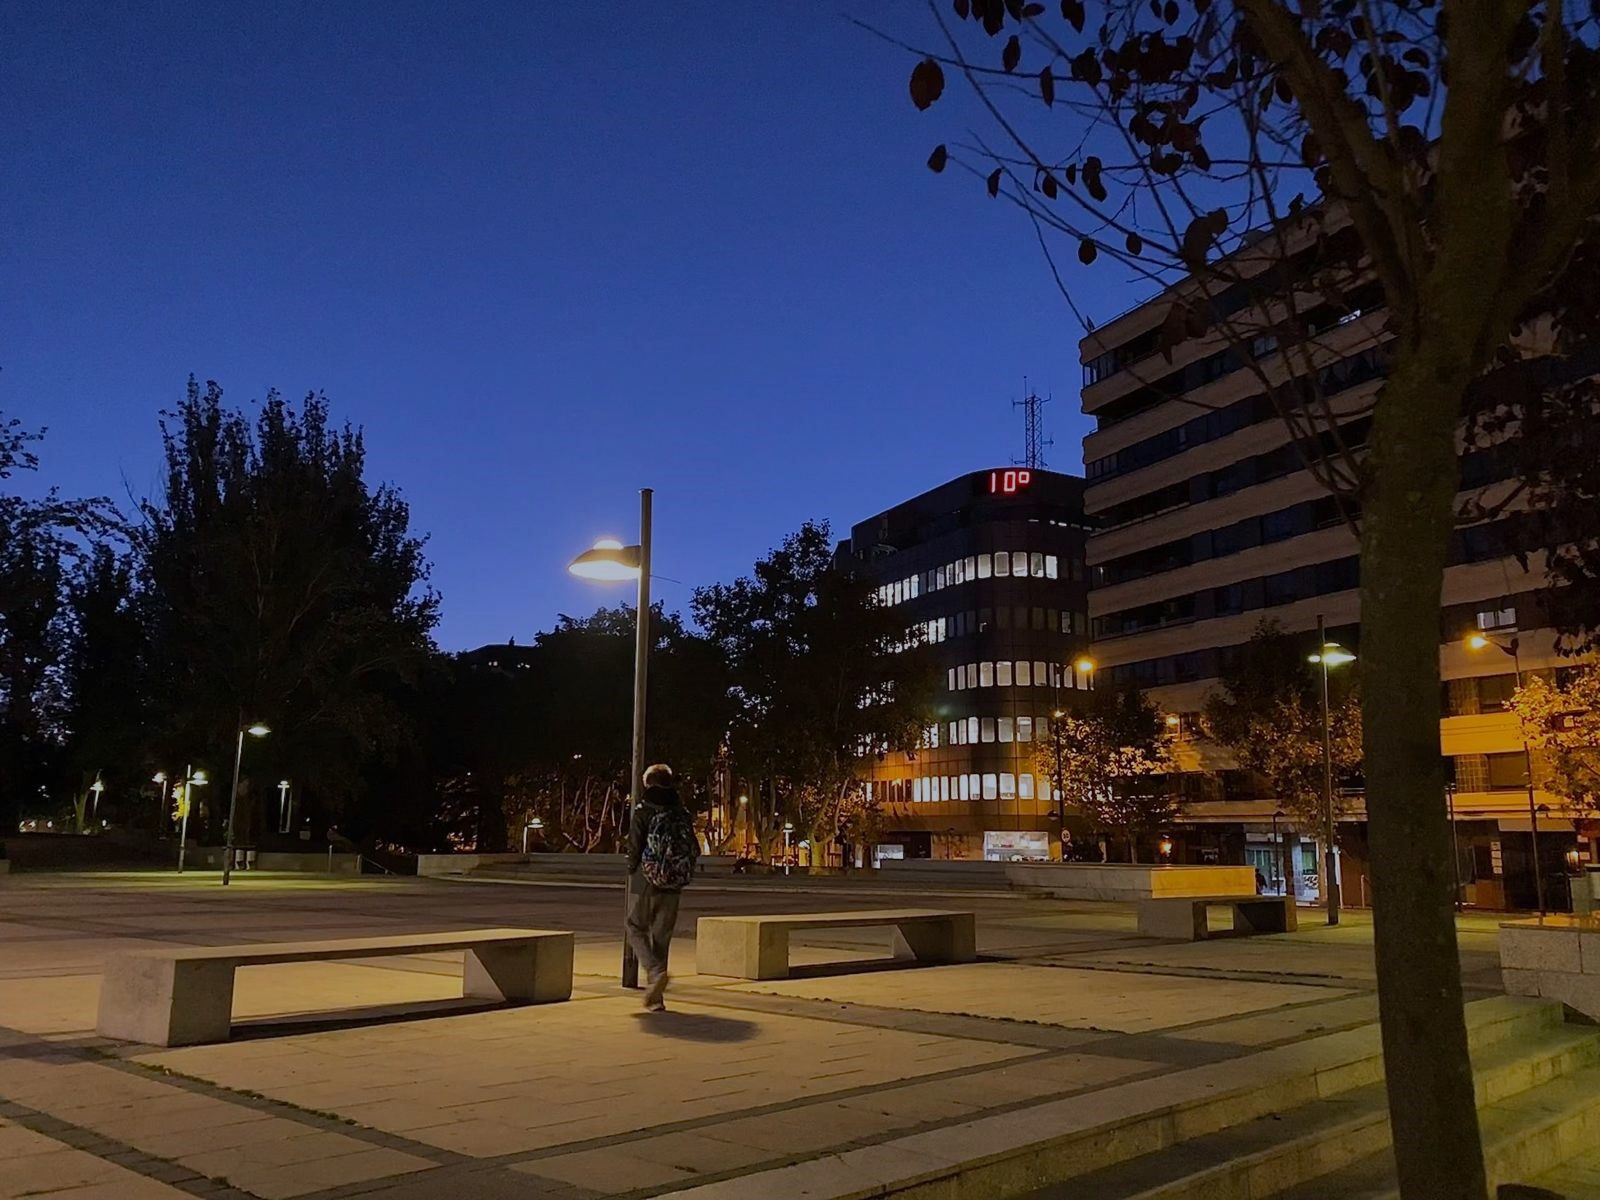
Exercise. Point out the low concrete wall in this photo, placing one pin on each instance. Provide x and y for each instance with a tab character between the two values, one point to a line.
458	864
969	872
209	858
1556	957
1129	881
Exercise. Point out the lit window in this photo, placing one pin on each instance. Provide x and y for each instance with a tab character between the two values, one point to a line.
1007	733
952	674
1052	567
1025	730
1066	621
955	733
1002	674
974	786
1025	786
1497	618
916	586
961	571
1008	786
1019	562
966	787
972	567
1024	674
1036	565
986	674
991	787
1002	563
972	730
983	566
986	729
1038	674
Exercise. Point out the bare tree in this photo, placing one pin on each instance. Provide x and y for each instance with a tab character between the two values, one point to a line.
1308	191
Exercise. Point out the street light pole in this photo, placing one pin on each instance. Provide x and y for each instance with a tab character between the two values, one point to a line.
256	730
1330	880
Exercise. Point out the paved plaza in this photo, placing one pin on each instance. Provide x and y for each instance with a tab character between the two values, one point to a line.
376	1078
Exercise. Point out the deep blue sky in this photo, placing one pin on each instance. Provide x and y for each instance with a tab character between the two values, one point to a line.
544	253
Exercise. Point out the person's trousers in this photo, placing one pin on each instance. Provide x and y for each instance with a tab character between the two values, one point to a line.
650	924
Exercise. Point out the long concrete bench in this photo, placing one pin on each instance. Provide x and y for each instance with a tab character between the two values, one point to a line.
183	995
1188	917
1556	957
757	947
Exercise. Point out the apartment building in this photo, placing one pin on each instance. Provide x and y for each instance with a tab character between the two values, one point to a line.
990	566
1206	521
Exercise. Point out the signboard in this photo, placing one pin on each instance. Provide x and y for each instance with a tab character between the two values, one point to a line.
1015	846
888	850
1009	481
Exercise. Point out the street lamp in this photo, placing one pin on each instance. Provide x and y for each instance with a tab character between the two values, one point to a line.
284	821
96	787
534	824
1331	655
257	730
161	813
191	779
1512	649
788	831
609	561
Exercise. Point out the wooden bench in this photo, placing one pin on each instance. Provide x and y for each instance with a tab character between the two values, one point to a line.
183	995
1187	917
758	947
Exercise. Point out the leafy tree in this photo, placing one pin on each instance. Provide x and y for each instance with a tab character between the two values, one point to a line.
1114	753
1180	140
41	541
822	675
1268	713
1561	719
283	588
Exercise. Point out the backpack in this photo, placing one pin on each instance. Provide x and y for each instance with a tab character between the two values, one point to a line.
670	850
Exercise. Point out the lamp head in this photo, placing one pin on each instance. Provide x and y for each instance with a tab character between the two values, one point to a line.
1333	655
97	787
284	784
1476	641
1173	720
159	777
1085	664
608	561
258	730
199	777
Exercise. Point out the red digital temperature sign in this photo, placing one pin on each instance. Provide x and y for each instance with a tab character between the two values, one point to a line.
1009	483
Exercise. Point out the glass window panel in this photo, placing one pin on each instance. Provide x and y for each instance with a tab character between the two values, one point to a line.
1040	679
966	787
1052	567
986	729
972	730
991	787
1002	563
986	674
1024	674
952	674
1008	786
955	733
1025	786
972	567
1002	674
983	566
1019	562
1006	730
1024	730
1036	565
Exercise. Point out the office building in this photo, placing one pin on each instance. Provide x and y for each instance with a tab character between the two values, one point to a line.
991	567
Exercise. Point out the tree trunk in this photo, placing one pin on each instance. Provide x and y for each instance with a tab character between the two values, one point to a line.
1407	519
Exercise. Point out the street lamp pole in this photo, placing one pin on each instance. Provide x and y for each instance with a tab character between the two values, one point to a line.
161	813
1329	861
256	730
191	780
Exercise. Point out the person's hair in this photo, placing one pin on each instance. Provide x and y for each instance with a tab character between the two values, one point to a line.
659	775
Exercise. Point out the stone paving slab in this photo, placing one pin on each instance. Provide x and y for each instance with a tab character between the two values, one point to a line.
1081	999
35	1165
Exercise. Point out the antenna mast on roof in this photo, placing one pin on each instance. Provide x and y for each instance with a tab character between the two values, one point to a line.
1032	406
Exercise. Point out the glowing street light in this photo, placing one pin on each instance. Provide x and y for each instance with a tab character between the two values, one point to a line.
191	779
535	824
284	820
1331	655
609	561
161	778
96	787
257	730
1512	648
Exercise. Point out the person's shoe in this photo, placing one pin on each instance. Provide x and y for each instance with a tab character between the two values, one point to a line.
655	993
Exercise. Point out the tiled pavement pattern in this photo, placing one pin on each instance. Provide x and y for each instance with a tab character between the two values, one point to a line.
590	1098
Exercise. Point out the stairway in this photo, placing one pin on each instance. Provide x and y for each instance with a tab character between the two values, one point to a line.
1538	1089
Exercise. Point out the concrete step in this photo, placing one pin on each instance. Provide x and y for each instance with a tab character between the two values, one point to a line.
1527	1137
1280	1150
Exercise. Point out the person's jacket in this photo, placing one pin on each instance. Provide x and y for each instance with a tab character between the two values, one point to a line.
654	802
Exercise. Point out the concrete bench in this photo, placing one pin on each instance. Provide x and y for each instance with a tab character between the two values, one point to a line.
1187	917
758	947
1556	957
183	995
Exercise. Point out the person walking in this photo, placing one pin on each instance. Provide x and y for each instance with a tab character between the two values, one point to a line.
662	850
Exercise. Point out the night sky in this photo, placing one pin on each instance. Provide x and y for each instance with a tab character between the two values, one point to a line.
544	253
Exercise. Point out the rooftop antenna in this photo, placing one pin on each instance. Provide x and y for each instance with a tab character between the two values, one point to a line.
1034	441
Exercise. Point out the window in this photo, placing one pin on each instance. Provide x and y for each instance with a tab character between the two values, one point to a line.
1025	786
991	787
986	674
1025	731
974	786
955	733
1495	692
1008	786
1002	674
966	787
972	730
1507	772
1002	563
1007	730
1024	674
986	729
952	675
1019	562
972	567
1052	567
961	572
983	566
1497	618
1036	565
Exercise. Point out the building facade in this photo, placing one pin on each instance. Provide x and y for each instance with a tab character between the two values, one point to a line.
1207	521
990	567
